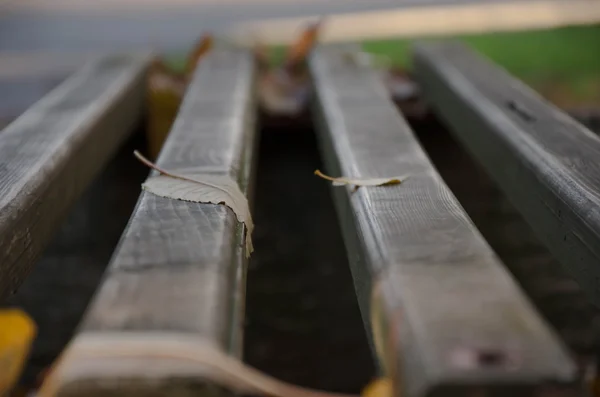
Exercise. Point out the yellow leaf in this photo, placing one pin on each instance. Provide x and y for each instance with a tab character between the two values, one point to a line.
381	387
202	188
17	331
163	106
342	181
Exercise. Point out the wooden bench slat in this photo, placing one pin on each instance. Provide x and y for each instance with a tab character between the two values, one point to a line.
447	302
50	154
180	267
546	162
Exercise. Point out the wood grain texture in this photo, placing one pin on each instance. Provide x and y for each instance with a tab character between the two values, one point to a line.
445	299
50	154
546	162
179	268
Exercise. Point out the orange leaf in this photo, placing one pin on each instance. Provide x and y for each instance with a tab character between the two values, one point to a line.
302	47
202	47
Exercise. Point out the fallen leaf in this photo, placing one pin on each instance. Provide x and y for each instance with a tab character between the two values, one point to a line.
300	50
199	51
17	331
202	188
381	387
343	181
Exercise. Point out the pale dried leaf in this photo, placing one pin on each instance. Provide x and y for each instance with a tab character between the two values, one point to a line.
142	355
202	188
343	181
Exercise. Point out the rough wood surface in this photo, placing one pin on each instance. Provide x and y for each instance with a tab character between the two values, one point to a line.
453	320
556	295
180	268
546	162
70	268
50	154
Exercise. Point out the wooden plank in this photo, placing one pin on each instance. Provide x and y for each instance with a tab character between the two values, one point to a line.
52	152
445	316
546	162
41	64
178	274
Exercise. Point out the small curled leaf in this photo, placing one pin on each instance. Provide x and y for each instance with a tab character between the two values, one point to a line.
343	181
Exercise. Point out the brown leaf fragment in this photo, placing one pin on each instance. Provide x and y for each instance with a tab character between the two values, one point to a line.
298	52
343	181
202	188
199	51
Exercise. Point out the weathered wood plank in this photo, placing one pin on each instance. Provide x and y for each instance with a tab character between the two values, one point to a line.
546	162
179	270
446	317
50	154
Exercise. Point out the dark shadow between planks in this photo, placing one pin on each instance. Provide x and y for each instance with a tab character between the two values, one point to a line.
303	324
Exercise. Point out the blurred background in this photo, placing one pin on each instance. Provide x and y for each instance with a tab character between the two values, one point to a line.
303	323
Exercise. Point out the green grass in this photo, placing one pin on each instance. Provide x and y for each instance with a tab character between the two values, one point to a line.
563	51
562	63
572	50
567	58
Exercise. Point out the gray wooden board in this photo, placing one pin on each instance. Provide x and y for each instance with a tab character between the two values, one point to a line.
179	267
50	154
547	163
448	302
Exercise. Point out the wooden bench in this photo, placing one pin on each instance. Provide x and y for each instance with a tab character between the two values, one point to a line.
445	316
178	273
51	153
546	163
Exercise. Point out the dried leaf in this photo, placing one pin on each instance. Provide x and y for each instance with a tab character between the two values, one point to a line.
202	47
342	181
139	355
202	188
381	387
300	49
